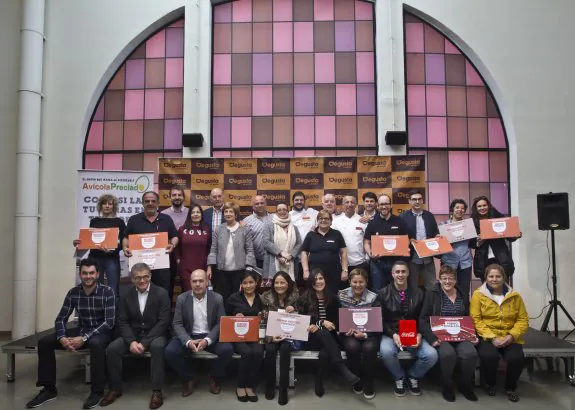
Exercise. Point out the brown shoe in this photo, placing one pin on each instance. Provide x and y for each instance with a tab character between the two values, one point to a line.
157	400
110	397
189	387
214	385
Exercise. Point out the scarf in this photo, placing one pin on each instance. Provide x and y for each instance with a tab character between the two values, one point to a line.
285	242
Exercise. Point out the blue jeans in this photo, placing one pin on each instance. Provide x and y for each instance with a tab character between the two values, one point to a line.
425	354
176	351
110	265
380	272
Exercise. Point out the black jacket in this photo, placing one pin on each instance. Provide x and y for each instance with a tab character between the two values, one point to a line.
432	307
154	322
500	251
391	307
237	303
431	229
304	307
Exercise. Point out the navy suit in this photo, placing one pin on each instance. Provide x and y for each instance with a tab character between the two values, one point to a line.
209	216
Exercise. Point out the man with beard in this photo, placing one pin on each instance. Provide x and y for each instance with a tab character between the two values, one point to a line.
95	306
304	219
151	221
214	216
256	222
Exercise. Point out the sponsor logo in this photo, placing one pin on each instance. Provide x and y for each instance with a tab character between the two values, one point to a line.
409	162
212	181
307	181
340	164
241	181
404	195
201	197
311	164
408	179
280	180
375	180
275	197
376	163
235	197
274	165
342	180
240	165
407	334
207	165
142	184
174	165
174	181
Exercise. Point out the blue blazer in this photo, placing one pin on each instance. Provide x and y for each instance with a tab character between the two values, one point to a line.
209	217
431	228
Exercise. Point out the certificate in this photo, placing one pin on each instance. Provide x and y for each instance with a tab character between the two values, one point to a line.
288	325
236	329
155	240
154	258
500	228
458	231
432	247
96	238
453	329
362	319
389	245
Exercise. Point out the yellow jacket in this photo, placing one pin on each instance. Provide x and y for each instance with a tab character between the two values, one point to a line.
492	321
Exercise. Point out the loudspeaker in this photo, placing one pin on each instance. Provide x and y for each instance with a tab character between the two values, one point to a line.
396	137
553	211
194	140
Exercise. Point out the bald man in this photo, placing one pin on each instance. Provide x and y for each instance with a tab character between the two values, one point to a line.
256	222
196	328
214	216
328	203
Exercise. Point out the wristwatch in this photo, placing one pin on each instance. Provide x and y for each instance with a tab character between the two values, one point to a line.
84	338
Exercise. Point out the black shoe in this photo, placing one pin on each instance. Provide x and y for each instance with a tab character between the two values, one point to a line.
243	399
448	394
93	400
358	388
414	387
319	390
512	396
282	397
399	390
468	393
270	392
368	392
253	399
44	396
491	391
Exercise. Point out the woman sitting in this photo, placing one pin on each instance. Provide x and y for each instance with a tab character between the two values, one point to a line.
283	295
360	348
447	299
500	320
323	308
247	302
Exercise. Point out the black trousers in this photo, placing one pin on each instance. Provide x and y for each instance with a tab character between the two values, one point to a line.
329	352
450	353
284	349
97	344
489	356
362	357
227	282
162	278
252	355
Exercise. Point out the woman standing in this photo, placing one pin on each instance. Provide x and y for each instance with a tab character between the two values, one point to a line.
232	250
460	259
195	241
282	295
360	348
489	251
448	299
500	320
109	259
323	308
324	248
247	302
281	242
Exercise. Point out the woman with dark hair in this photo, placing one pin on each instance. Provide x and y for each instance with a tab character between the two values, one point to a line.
360	347
247	302
500	320
283	295
489	251
195	239
109	259
319	303
460	259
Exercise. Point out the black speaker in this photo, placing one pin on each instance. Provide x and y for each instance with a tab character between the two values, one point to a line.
396	138
553	211
194	140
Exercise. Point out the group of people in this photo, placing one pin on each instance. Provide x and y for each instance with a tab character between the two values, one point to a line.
331	252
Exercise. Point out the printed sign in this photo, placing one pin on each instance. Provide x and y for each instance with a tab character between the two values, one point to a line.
432	246
390	245
361	319
288	326
458	231
97	238
236	329
453	329
500	228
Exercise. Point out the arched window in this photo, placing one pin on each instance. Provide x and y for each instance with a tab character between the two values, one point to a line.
139	116
452	119
293	78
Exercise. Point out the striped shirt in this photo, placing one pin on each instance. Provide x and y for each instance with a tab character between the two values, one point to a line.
96	311
449	308
216	218
256	225
321	313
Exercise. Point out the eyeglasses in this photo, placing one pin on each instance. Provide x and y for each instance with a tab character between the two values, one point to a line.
447	279
141	278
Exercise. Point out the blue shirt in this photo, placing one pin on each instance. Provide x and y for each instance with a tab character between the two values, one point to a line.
460	257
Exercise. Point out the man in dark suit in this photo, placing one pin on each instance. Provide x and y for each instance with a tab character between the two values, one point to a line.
420	224
214	216
196	327
143	321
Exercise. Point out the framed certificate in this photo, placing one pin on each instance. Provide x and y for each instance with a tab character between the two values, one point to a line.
458	231
432	246
288	325
96	238
500	228
142	241
362	319
390	245
453	329
236	329
149	248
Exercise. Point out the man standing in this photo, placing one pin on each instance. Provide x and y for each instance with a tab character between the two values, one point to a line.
151	221
196	327
142	323
420	224
352	230
303	218
256	222
328	203
214	216
384	223
369	207
178	212
95	305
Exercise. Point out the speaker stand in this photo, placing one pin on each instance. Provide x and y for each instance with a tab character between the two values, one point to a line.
555	303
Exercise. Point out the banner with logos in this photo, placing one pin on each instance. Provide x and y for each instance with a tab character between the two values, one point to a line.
277	179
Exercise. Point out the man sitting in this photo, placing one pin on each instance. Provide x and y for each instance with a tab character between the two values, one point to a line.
196	327
142	324
96	309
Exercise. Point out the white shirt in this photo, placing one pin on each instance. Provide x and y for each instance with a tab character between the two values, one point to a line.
142	298
498	298
200	325
352	231
304	220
